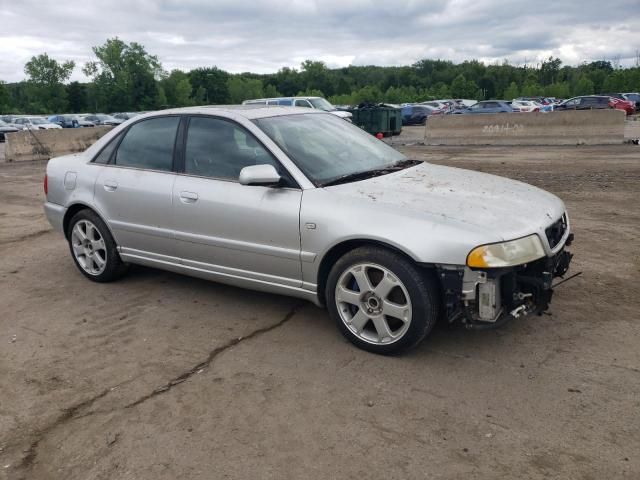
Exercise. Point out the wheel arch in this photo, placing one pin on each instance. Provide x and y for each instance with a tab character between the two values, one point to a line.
75	208
338	250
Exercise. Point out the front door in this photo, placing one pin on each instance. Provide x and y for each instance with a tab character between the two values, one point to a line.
234	230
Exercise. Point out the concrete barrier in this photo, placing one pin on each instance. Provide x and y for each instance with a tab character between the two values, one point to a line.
593	127
45	144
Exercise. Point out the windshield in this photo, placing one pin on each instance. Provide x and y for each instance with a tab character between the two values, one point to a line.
326	147
322	104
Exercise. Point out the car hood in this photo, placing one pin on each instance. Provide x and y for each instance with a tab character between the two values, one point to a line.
504	209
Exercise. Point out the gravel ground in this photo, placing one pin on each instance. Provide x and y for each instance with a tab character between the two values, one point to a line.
161	376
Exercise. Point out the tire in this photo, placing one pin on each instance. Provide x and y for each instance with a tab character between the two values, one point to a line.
396	286
93	249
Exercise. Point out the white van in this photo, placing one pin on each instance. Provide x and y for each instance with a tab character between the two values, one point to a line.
306	102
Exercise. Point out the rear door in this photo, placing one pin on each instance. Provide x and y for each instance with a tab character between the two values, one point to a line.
234	230
406	113
133	191
490	107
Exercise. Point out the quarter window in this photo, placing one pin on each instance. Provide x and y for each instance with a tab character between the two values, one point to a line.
220	149
149	144
105	155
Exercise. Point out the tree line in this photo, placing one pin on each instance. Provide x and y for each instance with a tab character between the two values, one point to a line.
125	77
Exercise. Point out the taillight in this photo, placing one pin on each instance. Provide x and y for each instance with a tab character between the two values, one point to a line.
46	184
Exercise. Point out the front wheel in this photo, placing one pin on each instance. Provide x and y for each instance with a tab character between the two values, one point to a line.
381	301
93	249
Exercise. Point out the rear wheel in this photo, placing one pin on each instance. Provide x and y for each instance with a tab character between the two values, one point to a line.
93	249
381	301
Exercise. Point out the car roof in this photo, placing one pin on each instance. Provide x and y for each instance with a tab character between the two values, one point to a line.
250	112
299	97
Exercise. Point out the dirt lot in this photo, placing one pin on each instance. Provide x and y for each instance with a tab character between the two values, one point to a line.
160	376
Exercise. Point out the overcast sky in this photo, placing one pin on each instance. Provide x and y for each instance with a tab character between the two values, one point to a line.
264	35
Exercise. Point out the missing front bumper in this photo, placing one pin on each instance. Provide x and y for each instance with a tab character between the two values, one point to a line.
482	299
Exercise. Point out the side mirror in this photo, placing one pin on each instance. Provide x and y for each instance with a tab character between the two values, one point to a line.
263	175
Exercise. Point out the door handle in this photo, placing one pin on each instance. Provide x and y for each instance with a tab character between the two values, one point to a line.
188	197
110	185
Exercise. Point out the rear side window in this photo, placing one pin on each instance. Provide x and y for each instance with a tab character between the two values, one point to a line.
149	144
105	155
285	103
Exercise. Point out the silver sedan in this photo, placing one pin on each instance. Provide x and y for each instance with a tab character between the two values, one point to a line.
302	203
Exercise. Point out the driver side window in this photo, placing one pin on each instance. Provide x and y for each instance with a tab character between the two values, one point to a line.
218	148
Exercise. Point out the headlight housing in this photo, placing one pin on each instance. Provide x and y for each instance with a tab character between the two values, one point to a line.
506	254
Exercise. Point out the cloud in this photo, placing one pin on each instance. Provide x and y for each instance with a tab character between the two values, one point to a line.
263	36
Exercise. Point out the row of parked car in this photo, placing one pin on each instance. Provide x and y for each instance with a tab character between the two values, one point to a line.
15	123
418	113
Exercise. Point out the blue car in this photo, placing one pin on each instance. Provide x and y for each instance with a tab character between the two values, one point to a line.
488	106
416	114
70	121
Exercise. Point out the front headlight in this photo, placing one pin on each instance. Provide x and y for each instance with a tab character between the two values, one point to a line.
506	254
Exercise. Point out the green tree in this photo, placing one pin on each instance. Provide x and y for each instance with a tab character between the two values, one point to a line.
125	76
270	91
177	90
368	94
241	89
77	96
511	92
441	90
210	85
549	70
487	87
558	90
531	89
308	93
4	98
463	88
617	82
394	95
45	83
288	81
584	86
316	76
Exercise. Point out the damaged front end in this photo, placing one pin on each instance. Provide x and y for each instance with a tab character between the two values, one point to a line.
483	298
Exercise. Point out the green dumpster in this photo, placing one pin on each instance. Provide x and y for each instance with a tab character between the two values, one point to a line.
376	119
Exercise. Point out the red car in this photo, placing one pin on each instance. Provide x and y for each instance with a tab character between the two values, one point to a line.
626	105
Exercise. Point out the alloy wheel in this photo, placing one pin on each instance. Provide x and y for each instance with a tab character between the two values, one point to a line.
373	303
89	248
